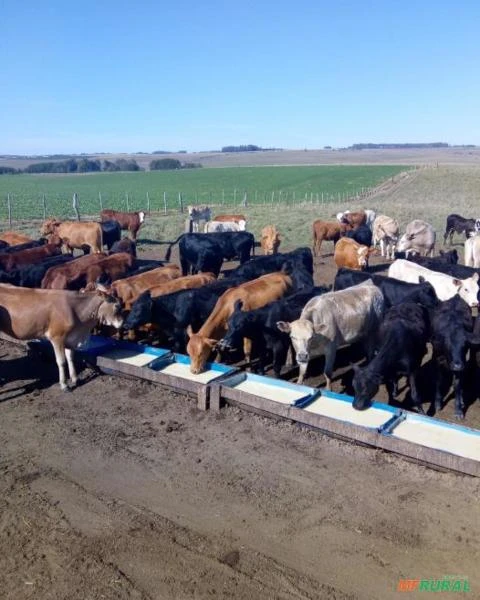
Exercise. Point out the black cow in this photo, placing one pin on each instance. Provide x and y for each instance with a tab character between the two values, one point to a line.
452	336
173	313
403	334
261	265
111	233
362	235
31	275
449	257
394	291
205	252
457	224
260	326
4	245
24	246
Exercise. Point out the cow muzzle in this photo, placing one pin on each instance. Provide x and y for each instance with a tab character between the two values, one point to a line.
302	357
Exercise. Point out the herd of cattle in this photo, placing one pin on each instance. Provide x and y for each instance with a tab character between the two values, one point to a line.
268	306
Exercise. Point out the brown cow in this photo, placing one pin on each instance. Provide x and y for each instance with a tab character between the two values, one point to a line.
30	256
64	318
131	221
129	289
355	219
71	274
330	231
253	294
13	238
113	266
351	254
270	240
75	234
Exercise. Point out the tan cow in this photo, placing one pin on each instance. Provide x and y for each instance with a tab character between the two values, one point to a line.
351	254
327	230
253	294
129	289
385	231
64	318
270	240
75	234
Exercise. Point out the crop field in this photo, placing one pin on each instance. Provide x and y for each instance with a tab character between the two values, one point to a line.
159	190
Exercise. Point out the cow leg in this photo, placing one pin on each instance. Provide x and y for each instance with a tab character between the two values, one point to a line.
459	403
391	385
382	247
247	351
71	366
60	358
416	401
438	389
329	364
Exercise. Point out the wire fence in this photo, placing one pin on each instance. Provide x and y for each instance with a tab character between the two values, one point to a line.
17	207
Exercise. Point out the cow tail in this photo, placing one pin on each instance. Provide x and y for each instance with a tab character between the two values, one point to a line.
169	251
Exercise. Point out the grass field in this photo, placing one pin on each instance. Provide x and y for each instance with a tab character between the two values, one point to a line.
227	186
429	194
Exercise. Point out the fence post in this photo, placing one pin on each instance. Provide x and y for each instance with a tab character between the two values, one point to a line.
44	201
9	206
180	201
164	203
126	198
148	203
244	202
75	205
100	200
235	197
223	197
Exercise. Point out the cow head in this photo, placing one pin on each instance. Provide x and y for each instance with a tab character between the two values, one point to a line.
199	349
237	326
365	387
110	311
141	312
301	334
49	227
468	289
363	252
270	240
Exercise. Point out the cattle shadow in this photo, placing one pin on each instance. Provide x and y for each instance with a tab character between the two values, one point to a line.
148	242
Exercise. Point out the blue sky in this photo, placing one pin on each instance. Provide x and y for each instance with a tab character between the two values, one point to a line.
122	76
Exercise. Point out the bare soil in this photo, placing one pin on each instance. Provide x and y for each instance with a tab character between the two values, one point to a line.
123	489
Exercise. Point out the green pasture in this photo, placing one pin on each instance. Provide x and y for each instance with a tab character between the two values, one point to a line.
217	186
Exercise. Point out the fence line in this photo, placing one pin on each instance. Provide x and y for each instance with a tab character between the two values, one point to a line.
43	206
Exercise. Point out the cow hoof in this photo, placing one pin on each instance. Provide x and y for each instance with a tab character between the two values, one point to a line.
66	389
460	416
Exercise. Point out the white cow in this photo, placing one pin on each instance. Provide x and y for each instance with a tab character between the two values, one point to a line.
217	226
197	214
419	237
385	231
332	320
472	251
445	286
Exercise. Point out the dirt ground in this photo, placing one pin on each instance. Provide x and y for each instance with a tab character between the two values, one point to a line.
123	489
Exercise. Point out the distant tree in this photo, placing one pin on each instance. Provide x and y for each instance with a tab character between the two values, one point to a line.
127	164
244	148
109	166
88	166
163	164
191	165
9	171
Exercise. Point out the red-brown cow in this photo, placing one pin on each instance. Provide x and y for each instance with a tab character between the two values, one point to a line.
130	221
330	231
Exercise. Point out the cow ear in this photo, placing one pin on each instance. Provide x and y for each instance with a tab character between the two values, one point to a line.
473	339
421	279
475	277
100	287
457	282
284	326
189	331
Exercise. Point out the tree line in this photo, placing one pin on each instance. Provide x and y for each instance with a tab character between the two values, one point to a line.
86	165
